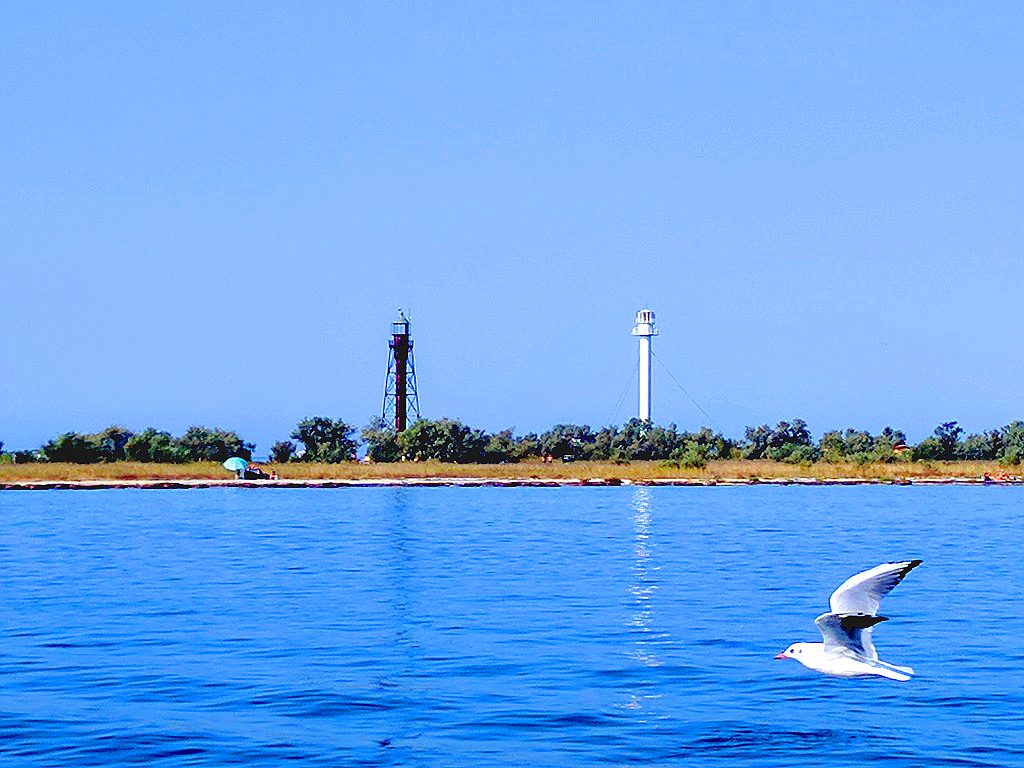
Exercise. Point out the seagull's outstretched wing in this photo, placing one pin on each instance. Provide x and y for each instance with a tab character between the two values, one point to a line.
863	593
849	632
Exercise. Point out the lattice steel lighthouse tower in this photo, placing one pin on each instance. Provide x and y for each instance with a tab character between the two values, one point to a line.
644	330
400	398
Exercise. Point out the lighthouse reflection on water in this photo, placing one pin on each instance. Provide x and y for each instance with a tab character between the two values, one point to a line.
643	589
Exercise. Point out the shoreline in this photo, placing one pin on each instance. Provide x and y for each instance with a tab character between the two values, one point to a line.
478	482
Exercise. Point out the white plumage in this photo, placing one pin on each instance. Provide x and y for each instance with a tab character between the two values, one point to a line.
848	650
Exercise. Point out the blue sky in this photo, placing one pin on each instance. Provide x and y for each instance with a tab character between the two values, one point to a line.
211	212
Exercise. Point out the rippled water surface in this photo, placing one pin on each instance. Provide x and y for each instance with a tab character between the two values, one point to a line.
502	626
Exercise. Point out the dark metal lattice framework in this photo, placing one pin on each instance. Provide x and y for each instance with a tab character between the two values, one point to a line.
400	396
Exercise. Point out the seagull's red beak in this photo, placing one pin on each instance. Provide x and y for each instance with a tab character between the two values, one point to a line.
782	656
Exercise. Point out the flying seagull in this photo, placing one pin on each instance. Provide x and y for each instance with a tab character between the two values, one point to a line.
848	650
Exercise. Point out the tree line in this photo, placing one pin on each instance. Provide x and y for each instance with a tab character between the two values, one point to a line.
322	439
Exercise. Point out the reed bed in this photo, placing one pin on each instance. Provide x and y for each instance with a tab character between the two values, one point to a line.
636	471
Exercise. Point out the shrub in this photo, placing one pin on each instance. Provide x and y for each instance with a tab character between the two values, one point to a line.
861	447
779	444
797	454
987	446
948	435
526	446
929	449
205	444
943	445
500	448
446	440
326	440
153	446
74	448
695	456
1013	443
381	442
573	440
114	439
282	451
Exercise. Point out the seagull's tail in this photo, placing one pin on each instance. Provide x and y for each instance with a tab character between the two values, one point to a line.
894	672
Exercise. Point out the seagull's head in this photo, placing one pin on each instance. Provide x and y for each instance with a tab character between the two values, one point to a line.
794	651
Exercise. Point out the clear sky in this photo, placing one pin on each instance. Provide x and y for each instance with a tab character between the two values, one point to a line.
211	212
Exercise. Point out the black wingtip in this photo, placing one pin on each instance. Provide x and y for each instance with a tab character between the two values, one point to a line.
852	621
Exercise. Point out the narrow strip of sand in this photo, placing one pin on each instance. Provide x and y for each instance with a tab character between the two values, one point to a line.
473	482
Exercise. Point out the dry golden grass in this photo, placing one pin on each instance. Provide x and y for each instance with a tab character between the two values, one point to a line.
638	470
121	470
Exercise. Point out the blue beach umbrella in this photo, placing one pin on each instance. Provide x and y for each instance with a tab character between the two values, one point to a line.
235	463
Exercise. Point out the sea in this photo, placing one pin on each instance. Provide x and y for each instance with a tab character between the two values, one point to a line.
577	626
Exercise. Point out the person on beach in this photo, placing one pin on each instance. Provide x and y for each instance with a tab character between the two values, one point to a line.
254	472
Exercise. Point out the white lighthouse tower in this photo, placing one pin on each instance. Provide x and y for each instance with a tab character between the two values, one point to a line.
644	329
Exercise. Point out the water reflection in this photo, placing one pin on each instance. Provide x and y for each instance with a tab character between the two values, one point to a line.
643	589
401	574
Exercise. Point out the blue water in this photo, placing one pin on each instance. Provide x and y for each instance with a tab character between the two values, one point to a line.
501	627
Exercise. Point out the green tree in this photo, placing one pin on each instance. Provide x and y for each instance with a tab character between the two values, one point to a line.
929	449
789	441
756	442
568	440
894	437
500	448
630	442
282	451
713	445
527	446
832	447
447	440
326	440
694	456
943	445
886	444
381	441
861	447
987	446
205	444
604	441
948	434
849	445
1013	443
153	446
640	440
670	442
114	439
74	448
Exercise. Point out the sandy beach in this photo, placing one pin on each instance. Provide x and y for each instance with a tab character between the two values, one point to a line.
476	482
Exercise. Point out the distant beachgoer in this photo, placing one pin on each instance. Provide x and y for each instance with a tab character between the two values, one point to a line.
254	472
